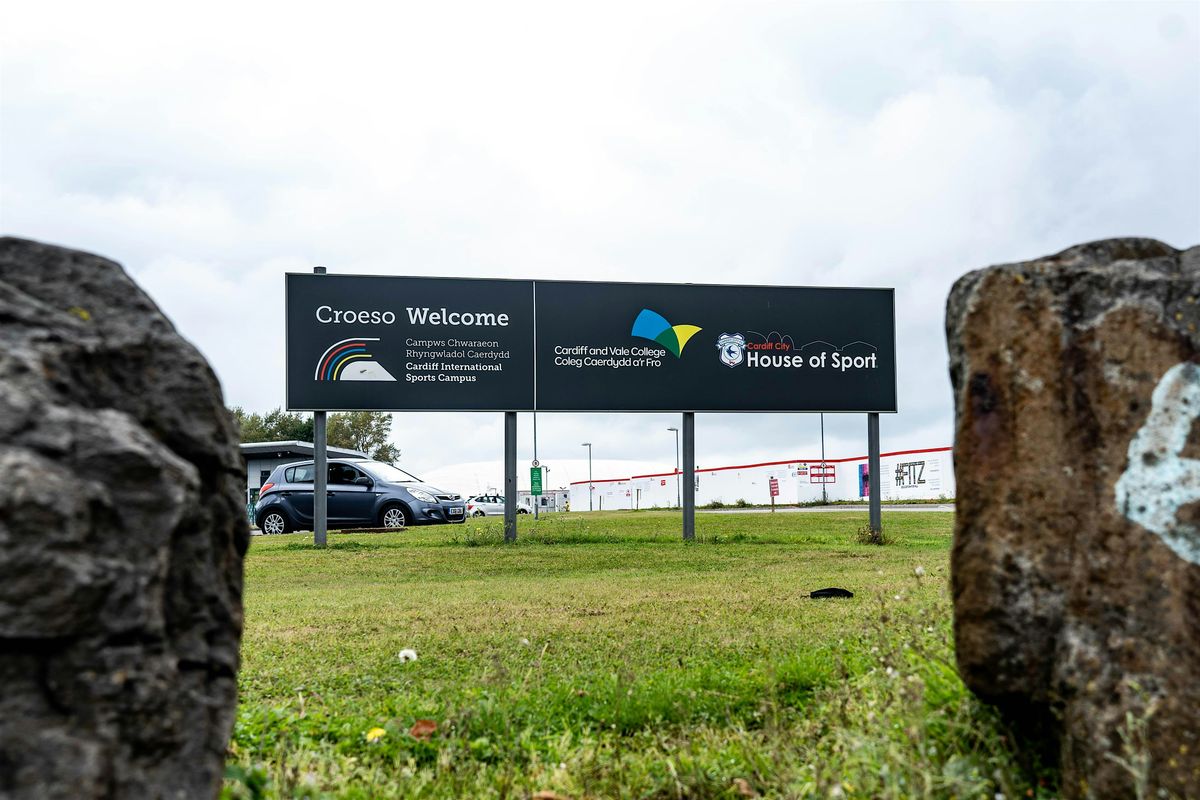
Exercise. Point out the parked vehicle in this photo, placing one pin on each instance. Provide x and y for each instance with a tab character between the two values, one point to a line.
361	494
482	505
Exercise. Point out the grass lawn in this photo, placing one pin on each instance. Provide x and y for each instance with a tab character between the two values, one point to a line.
602	657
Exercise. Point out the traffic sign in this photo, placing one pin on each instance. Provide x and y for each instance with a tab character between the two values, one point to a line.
535	480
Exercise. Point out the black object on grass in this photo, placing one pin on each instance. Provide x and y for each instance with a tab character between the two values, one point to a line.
832	591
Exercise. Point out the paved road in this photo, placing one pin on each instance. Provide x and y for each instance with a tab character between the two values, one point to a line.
827	509
792	509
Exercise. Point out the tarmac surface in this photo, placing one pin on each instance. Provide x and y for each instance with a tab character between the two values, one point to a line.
887	509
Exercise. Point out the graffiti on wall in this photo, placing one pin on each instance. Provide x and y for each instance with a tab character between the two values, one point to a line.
1158	481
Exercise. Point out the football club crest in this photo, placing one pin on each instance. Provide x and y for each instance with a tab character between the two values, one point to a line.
732	348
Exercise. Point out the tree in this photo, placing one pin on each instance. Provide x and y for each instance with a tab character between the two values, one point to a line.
276	425
365	431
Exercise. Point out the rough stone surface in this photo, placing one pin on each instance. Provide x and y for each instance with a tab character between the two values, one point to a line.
122	531
1074	571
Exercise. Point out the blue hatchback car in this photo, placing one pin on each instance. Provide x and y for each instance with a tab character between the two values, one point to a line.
360	494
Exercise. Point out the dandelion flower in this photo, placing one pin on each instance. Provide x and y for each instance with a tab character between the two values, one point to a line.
524	642
407	654
375	734
919	571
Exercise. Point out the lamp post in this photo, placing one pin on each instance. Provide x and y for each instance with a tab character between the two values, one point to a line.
677	502
824	496
591	489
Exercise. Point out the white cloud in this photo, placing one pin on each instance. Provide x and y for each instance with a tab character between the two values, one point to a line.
879	144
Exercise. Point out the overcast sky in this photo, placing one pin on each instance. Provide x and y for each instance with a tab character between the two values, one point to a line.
210	148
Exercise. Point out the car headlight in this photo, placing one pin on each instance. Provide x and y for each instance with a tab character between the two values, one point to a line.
422	495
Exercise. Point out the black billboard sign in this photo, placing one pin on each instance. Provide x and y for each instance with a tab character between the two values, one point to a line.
670	347
366	343
390	343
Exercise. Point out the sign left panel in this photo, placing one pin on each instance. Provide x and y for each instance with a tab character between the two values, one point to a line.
382	343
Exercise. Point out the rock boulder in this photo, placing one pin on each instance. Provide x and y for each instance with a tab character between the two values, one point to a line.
122	532
1076	561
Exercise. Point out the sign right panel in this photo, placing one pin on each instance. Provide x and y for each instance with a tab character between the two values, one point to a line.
672	347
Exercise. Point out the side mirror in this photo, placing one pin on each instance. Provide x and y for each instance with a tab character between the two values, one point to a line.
363	481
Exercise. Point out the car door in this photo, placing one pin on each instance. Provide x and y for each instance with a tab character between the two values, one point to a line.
297	493
349	502
496	504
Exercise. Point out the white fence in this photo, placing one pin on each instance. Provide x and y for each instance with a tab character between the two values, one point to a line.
905	475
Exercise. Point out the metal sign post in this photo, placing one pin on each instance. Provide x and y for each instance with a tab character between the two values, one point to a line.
876	520
321	470
510	476
689	476
320	474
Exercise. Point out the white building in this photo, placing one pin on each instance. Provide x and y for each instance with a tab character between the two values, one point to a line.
549	500
906	475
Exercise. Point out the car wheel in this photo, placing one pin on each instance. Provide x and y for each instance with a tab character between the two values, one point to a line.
273	522
393	517
478	514
522	511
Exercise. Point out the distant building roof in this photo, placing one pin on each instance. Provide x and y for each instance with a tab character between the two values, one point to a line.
293	448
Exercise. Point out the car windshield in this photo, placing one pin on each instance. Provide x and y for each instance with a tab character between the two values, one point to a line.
386	472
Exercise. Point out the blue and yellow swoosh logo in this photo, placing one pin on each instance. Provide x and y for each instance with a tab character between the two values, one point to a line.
654	326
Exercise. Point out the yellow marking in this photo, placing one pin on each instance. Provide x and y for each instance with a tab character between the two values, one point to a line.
683	333
347	360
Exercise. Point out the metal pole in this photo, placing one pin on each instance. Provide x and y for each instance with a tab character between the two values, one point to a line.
535	499
689	476
321	470
591	488
873	460
678	497
510	476
678	502
824	496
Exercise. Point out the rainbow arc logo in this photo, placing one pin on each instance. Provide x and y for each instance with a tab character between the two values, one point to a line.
654	326
348	360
